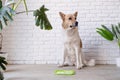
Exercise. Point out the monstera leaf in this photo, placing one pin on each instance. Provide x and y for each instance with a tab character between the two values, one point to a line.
41	18
5	16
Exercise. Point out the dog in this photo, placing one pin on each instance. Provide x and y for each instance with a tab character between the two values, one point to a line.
72	43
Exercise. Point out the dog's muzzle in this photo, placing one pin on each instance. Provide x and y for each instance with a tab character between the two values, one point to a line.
74	25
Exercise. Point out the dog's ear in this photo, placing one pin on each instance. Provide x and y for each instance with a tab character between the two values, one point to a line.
62	15
75	14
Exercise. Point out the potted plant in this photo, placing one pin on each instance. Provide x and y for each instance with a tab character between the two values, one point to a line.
6	15
110	35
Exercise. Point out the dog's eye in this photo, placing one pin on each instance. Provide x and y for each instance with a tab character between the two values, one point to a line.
70	18
75	18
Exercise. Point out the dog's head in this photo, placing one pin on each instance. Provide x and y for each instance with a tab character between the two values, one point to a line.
69	20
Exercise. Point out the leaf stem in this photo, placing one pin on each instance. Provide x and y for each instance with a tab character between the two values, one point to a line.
24	11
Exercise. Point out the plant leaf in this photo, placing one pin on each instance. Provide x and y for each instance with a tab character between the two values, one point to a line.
17	4
37	21
9	2
25	4
4	23
114	31
2	58
119	43
4	62
41	18
6	15
119	25
0	4
117	29
107	29
3	66
1	27
104	34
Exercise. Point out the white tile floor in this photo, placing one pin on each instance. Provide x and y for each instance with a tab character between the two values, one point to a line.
46	72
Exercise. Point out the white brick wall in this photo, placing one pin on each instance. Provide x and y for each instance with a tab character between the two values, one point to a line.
27	44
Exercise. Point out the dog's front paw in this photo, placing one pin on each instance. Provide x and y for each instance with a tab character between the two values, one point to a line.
62	65
80	66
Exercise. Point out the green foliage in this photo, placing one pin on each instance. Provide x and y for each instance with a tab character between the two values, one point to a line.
3	63
41	18
116	31
0	4
9	2
6	13
110	34
105	32
25	4
5	16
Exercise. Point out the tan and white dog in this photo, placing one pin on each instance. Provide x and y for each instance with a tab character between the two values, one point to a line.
72	42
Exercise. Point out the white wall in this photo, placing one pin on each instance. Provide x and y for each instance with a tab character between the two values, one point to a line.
27	44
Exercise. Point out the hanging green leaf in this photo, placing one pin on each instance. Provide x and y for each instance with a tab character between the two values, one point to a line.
41	18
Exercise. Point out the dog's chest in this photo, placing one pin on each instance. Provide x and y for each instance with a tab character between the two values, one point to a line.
70	41
71	52
70	45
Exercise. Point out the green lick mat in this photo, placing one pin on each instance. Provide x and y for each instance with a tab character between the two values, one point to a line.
65	72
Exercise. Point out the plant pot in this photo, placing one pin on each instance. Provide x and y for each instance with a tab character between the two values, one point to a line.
4	54
118	62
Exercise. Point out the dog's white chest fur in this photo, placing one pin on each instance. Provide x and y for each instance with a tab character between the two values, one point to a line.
71	38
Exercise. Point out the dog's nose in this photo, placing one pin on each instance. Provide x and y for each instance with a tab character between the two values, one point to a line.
71	26
76	23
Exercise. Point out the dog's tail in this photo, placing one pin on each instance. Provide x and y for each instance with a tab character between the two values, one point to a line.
91	62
